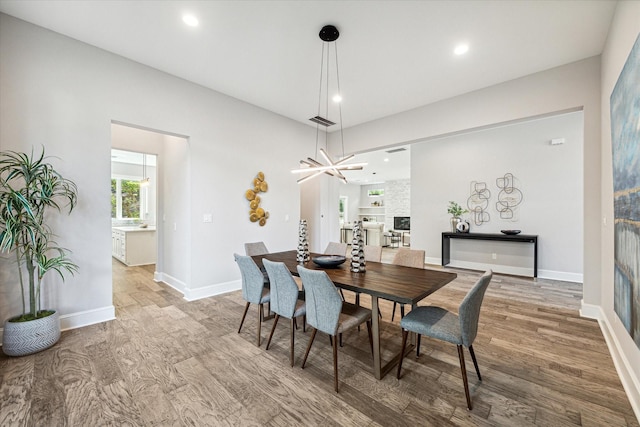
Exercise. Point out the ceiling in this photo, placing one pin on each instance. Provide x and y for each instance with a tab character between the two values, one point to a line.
393	55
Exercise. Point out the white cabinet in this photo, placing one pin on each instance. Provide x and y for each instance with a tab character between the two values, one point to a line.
134	245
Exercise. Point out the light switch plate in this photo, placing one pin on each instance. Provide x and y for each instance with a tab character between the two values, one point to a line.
207	217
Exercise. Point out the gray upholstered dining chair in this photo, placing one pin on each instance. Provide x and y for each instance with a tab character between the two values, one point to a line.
460	329
253	288
335	248
372	253
285	299
407	258
255	248
328	313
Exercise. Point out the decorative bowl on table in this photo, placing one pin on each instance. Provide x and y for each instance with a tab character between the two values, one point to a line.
510	232
329	260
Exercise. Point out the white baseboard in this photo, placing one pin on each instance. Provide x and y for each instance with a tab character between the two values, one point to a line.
82	318
198	293
170	281
561	275
86	318
506	269
212	290
630	382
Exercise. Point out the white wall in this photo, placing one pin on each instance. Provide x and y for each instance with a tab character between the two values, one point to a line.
569	87
625	28
549	177
65	94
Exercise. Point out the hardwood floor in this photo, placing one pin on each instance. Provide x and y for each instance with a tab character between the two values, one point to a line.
166	361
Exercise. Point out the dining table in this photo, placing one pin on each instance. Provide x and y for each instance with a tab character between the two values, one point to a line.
404	285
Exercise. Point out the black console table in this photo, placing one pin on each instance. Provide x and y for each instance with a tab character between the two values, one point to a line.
526	238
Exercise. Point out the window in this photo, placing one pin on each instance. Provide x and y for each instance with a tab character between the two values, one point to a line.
125	199
343	212
376	193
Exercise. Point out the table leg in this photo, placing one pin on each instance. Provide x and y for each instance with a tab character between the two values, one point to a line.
375	332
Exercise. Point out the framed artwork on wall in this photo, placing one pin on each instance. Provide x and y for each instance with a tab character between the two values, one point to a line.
625	138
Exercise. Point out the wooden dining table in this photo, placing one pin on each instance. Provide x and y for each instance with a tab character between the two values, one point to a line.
404	285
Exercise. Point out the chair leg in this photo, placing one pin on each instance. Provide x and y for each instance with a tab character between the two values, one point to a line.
418	346
463	368
304	323
393	313
405	334
401	311
295	324
370	336
475	362
273	328
341	293
340	338
246	308
260	317
306	354
335	364
293	338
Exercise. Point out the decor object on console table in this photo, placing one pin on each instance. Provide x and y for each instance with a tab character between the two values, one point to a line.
456	211
303	243
29	187
462	226
358	262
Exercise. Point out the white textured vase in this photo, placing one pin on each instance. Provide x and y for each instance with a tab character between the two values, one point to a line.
23	338
358	263
303	242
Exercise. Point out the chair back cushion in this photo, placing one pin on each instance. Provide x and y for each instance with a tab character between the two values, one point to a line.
469	311
252	279
323	300
372	253
335	248
255	248
409	258
284	290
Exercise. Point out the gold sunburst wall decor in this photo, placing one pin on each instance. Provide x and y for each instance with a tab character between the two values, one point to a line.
256	213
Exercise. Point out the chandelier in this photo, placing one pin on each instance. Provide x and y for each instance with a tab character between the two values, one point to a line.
312	167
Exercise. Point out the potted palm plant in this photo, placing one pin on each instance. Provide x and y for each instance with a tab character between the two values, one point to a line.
29	188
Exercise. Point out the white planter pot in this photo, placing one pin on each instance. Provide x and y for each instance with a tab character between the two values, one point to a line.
23	338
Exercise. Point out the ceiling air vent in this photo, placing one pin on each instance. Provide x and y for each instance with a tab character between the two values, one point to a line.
322	121
396	150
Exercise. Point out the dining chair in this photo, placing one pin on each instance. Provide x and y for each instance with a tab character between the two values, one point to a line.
285	299
439	323
335	248
328	313
374	254
407	258
253	288
255	248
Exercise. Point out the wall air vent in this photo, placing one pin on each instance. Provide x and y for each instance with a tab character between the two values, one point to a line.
396	150
322	121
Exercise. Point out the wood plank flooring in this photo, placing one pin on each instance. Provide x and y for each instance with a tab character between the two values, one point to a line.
165	361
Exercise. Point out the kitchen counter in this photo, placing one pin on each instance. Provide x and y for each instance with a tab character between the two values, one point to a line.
133	245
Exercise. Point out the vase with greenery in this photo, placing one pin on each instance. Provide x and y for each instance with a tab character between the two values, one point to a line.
30	188
456	212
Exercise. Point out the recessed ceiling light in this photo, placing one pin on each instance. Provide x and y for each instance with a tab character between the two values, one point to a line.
190	20
461	49
337	98
386	160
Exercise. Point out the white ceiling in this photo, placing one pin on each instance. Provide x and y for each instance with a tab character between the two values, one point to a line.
393	55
